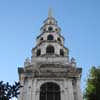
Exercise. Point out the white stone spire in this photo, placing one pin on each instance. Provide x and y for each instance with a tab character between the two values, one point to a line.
49	74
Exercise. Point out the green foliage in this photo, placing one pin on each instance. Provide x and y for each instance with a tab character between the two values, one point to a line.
92	91
8	91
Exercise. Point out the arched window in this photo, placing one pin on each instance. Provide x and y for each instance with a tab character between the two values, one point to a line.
50	29
44	30
50	37
56	29
59	39
38	52
50	91
41	38
61	52
50	49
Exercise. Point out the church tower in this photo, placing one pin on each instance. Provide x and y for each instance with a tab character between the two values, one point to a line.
50	74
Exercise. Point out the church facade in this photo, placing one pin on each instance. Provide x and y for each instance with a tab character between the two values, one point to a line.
50	74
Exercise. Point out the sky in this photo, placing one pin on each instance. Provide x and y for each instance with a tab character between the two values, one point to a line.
20	23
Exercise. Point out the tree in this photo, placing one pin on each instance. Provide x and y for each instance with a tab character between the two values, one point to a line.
8	91
92	91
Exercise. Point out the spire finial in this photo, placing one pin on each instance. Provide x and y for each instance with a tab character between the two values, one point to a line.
50	12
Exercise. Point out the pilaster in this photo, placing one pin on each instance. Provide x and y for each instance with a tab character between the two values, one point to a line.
79	93
70	90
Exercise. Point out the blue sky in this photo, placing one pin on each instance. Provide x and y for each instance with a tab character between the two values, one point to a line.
20	22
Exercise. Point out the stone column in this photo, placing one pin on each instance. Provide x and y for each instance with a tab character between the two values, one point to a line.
24	90
27	96
21	96
37	90
34	82
37	95
70	90
79	93
30	89
62	94
66	90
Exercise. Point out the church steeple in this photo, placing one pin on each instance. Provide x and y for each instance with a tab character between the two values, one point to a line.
50	42
50	75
